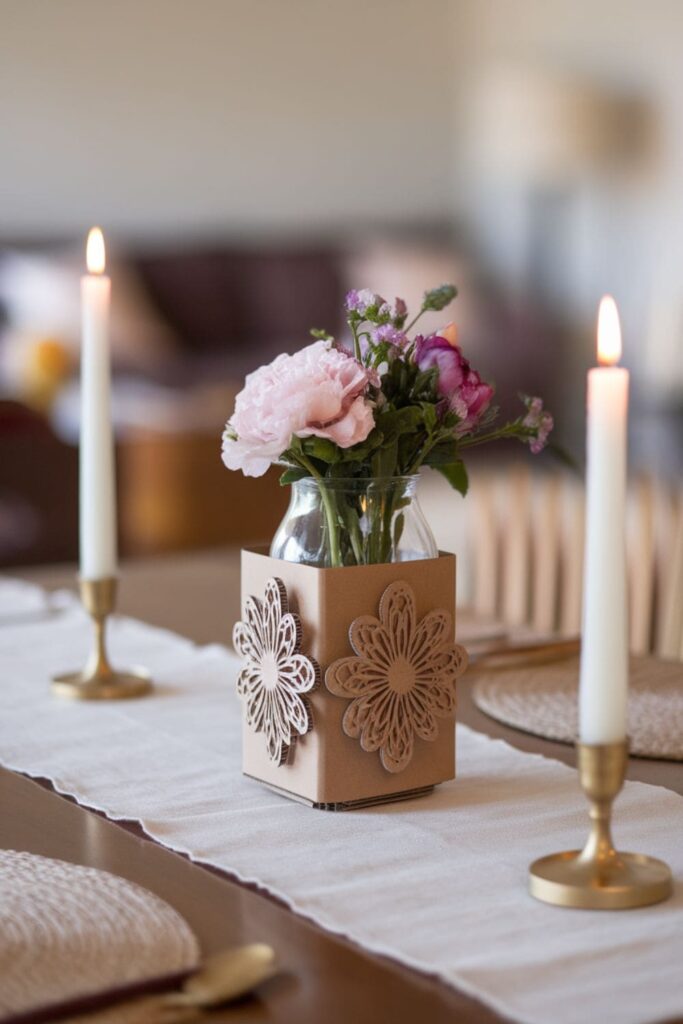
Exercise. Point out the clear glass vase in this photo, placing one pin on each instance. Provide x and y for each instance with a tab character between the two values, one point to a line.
331	523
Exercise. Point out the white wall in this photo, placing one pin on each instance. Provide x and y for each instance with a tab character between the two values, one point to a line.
169	115
624	226
233	116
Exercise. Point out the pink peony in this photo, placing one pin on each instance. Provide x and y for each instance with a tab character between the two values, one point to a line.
318	391
468	395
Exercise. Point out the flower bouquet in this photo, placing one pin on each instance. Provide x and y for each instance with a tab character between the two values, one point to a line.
353	592
356	425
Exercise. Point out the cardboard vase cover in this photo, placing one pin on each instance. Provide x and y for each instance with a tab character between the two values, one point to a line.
348	678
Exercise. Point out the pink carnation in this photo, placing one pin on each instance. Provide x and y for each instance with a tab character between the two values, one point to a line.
318	391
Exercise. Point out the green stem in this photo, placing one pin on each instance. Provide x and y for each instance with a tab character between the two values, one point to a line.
413	321
331	516
356	343
355	536
332	523
509	430
421	455
374	514
388	511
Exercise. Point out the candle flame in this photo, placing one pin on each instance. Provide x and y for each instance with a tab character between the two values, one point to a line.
94	251
609	332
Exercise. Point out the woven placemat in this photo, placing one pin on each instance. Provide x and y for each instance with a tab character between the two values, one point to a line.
543	700
68	931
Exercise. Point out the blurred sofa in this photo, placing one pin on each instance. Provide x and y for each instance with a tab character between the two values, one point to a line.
188	322
232	309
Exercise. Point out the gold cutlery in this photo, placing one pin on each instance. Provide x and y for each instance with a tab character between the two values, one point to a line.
513	655
222	978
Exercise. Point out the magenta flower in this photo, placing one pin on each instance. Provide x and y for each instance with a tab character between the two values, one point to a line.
540	420
468	395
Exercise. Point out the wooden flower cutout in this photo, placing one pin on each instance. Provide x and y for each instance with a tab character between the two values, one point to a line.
402	678
275	674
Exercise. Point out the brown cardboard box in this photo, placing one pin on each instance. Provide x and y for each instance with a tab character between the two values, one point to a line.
328	768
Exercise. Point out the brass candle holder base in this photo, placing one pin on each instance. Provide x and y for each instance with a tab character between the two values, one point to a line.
599	877
98	680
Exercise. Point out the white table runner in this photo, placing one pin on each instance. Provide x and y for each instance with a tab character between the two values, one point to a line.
437	883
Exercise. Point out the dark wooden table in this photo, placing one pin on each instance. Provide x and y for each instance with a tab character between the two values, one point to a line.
325	978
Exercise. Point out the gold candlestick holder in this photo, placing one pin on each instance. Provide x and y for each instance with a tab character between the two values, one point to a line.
98	680
600	877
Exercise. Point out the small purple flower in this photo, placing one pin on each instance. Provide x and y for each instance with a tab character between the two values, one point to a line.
363	301
387	332
539	419
393	313
352	301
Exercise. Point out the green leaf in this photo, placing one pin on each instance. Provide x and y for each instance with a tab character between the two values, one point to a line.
408	447
321	448
443	454
320	334
290	476
424	387
362	451
429	414
456	474
384	459
400	421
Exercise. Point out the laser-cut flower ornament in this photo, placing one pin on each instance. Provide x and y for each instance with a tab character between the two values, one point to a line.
275	676
401	679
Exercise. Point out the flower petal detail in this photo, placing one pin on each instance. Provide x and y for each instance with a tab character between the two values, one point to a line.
288	635
378	724
249	680
441	698
355	717
254	619
245	642
424	722
371	640
275	673
350	677
397	612
402	678
433	631
397	752
299	673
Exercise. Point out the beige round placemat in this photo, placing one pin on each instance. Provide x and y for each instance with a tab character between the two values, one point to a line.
67	931
543	700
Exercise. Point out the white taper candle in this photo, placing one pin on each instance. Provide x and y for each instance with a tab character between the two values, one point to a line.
604	649
97	485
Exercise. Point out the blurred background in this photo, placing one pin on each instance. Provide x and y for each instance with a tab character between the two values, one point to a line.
250	160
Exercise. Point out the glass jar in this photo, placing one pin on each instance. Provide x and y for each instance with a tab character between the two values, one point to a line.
337	522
